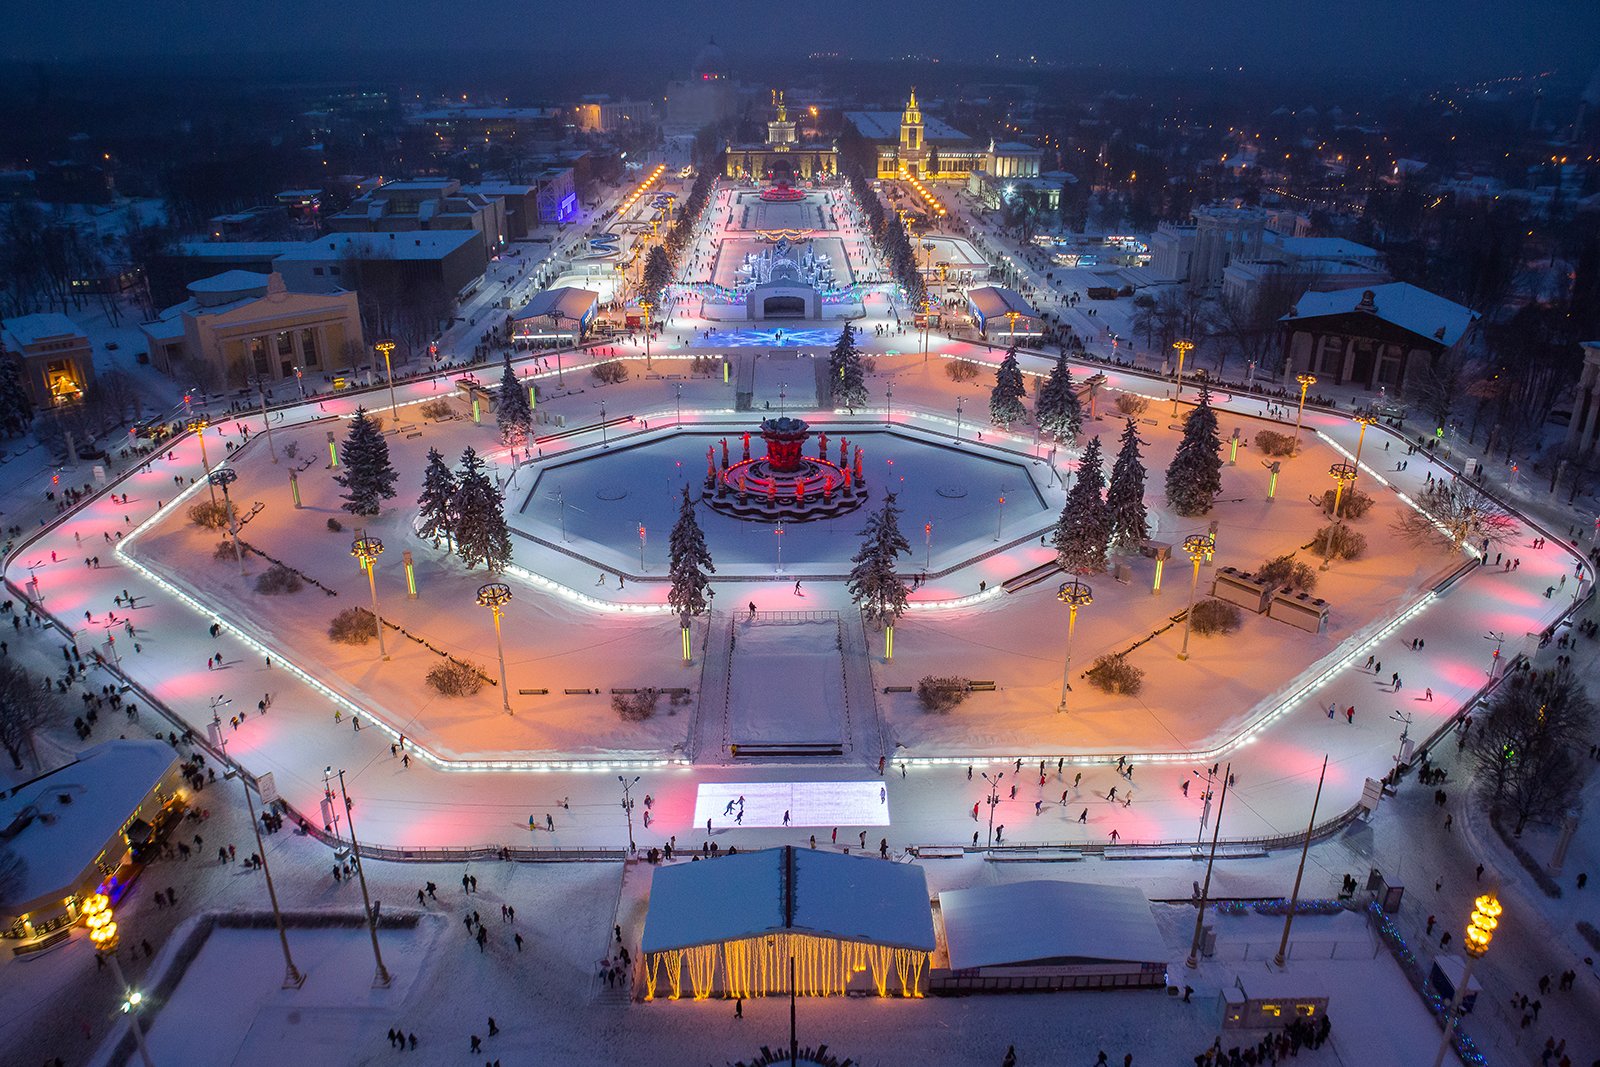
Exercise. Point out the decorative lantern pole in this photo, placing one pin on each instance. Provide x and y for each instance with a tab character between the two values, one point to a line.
1480	931
1306	382
366	550
1074	594
494	596
1184	347
1199	547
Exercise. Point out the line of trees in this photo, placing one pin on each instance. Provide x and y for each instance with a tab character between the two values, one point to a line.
462	508
890	235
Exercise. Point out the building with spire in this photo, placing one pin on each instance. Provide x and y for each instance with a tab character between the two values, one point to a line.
783	156
706	97
909	144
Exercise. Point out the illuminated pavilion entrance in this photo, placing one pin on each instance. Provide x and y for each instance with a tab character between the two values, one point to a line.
730	927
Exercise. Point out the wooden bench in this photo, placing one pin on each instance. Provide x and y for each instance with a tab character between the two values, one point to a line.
980	687
533	692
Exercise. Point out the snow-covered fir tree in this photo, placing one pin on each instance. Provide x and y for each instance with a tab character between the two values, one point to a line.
1125	495
16	407
1056	408
437	503
689	561
368	477
876	586
1194	478
1005	399
657	276
1083	532
846	372
480	523
512	412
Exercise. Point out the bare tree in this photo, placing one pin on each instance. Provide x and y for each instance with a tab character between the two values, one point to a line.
24	709
1525	749
1439	386
1453	515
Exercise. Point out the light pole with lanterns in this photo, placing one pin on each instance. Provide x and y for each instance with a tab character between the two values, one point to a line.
495	596
260	382
387	346
1306	382
198	427
1343	474
1480	931
994	799
97	915
1184	347
221	478
1074	594
1199	547
366	550
1365	418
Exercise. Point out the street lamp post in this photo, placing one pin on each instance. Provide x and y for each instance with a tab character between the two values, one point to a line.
97	915
1205	892
381	979
1480	931
1184	347
777	536
1306	382
293	978
627	807
1205	801
198	426
366	550
266	420
1074	594
994	799
959	401
645	305
1343	474
1199	547
223	477
1365	418
494	597
387	346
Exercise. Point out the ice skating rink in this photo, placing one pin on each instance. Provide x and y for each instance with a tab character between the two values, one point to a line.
809	804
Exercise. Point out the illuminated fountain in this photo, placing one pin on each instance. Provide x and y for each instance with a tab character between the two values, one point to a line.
785	485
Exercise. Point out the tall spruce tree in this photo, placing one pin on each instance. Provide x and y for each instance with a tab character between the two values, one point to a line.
16	408
368	477
1083	532
480	523
1005	399
437	502
1056	408
1125	496
688	562
657	276
846	372
1194	478
876	586
512	412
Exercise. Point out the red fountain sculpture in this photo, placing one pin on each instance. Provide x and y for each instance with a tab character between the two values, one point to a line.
786	485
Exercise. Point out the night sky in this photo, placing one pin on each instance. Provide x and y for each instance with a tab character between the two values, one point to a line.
1441	40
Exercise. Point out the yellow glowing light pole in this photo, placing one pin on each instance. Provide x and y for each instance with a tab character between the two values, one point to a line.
1011	326
387	346
494	596
366	550
1365	418
1343	474
1074	594
198	426
1184	347
411	574
97	916
645	306
1480	931
1199	547
1306	382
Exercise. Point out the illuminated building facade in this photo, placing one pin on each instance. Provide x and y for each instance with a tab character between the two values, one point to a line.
783	157
908	144
54	356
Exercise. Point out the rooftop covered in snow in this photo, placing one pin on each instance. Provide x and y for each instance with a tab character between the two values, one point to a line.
851	898
1415	310
1049	922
